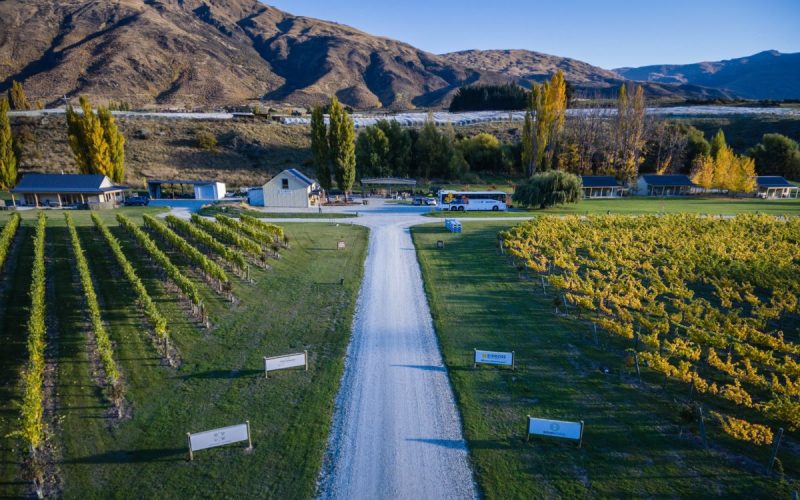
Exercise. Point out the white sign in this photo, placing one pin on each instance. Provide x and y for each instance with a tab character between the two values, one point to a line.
288	361
555	428
219	437
494	358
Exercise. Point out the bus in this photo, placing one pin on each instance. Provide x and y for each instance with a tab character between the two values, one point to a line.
459	201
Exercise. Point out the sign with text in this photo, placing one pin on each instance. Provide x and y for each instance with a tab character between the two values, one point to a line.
555	428
284	362
219	437
494	358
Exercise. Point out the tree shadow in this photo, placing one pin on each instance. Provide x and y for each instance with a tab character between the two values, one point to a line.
221	374
429	368
122	456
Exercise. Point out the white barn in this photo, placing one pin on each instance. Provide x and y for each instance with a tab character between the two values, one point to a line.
291	189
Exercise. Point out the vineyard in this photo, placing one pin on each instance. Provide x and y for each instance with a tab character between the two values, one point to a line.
102	291
708	302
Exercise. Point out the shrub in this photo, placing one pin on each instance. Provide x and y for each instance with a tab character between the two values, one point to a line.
548	189
206	140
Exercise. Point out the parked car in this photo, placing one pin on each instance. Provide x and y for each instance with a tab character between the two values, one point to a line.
431	202
137	201
417	201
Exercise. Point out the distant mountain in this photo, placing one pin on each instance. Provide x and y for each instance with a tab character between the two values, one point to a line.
527	66
766	75
196	53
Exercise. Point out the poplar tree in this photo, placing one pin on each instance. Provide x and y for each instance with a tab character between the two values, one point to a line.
547	110
630	133
319	148
116	144
8	159
19	101
341	146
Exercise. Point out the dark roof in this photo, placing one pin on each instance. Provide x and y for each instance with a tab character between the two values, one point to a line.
300	175
64	183
600	181
668	180
773	181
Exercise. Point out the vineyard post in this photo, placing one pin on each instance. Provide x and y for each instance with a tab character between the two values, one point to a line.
776	444
544	287
638	372
594	331
703	427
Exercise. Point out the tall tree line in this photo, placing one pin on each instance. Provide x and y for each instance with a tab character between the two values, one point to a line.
333	146
8	155
544	121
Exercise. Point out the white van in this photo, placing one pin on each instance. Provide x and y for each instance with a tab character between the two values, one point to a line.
476	205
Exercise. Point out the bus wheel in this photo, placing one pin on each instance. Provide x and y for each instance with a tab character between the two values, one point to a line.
460	209
495	208
453	209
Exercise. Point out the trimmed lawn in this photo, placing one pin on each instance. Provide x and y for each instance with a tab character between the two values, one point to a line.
297	305
639	205
634	443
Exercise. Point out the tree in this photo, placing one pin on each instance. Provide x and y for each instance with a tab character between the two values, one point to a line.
777	154
116	144
206	140
489	97
399	157
484	153
696	145
718	142
668	145
372	153
434	151
97	150
319	148
703	171
630	133
8	157
548	189
17	97
547	109
341	144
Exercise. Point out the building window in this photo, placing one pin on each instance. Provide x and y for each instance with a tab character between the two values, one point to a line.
284	183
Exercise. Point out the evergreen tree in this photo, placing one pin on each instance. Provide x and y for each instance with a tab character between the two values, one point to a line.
19	101
372	153
319	148
116	144
777	155
8	158
399	157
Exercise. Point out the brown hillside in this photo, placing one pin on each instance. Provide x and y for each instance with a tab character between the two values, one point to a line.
192	53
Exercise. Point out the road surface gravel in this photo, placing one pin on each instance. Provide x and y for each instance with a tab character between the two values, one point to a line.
396	430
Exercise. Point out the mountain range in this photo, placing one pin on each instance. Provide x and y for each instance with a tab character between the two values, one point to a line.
212	53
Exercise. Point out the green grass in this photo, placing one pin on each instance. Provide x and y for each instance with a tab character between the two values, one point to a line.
297	305
236	212
631	446
640	205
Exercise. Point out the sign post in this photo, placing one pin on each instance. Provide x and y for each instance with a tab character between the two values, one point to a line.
284	362
555	428
219	437
493	358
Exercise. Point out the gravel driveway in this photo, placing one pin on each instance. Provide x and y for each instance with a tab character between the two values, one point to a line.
396	431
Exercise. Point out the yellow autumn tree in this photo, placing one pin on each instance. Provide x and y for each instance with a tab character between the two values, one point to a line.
703	172
547	107
96	142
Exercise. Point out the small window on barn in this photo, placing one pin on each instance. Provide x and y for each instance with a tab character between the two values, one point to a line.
284	183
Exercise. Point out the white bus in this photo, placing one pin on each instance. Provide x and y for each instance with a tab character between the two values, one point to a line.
459	201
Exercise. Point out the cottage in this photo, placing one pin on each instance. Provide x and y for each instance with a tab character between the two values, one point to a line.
291	189
602	186
59	190
774	186
665	185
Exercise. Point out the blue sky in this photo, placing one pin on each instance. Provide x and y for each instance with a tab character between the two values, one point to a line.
606	34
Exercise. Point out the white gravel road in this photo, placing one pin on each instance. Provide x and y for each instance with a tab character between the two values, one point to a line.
396	431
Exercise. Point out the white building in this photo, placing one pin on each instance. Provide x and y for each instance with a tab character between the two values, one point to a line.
665	185
291	189
775	186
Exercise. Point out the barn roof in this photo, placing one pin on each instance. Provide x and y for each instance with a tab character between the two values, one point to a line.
668	180
599	181
776	181
65	183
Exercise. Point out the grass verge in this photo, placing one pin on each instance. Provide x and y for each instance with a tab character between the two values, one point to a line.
634	444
